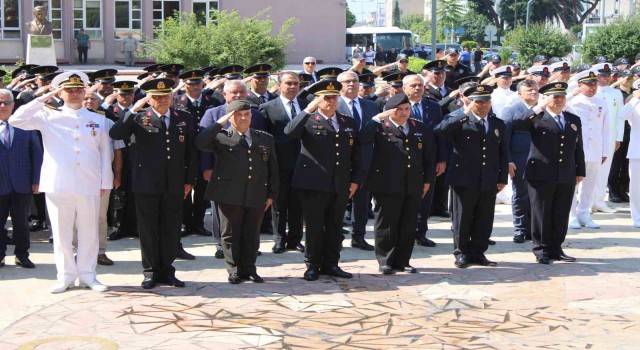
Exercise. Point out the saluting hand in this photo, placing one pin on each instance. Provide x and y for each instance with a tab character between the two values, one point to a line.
467	109
384	115
141	102
225	118
49	94
109	99
314	104
352	189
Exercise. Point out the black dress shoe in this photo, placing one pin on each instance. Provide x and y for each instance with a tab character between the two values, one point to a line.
37	225
408	268
185	231
543	260
182	254
528	237
563	257
25	262
461	262
297	246
360	243
615	197
219	254
519	238
51	240
148	283
200	230
253	277
234	278
336	271
625	197
312	274
491	242
371	214
116	235
386	270
172	281
425	242
483	261
278	248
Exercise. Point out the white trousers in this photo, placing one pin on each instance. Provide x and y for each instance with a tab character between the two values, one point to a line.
603	179
102	226
67	211
634	189
585	193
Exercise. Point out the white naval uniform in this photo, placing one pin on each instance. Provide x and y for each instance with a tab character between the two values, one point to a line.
631	113
615	102
593	113
76	166
500	99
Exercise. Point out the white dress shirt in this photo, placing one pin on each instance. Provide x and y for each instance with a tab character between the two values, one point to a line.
287	107
594	114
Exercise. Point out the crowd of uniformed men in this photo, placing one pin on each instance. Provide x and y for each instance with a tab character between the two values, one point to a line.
159	150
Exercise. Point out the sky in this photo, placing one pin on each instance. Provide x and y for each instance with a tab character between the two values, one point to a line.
366	6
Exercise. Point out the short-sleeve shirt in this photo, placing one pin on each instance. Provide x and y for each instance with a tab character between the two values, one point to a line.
83	40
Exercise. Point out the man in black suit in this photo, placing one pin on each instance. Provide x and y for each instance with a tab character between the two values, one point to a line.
401	173
164	176
259	80
196	103
244	184
555	166
327	174
434	87
361	111
287	209
477	171
430	113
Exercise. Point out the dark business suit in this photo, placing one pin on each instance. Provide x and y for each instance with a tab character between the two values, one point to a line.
443	100
556	158
287	209
402	163
431	117
519	141
477	165
244	177
20	168
329	162
193	209
256	101
362	197
164	162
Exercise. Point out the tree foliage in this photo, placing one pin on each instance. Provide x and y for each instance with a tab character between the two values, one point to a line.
416	64
474	24
539	39
231	40
395	14
619	39
450	13
418	25
471	44
351	18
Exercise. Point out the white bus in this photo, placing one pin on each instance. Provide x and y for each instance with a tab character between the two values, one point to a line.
387	37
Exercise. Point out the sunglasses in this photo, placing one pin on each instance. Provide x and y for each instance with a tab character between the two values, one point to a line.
404	61
6	103
310	63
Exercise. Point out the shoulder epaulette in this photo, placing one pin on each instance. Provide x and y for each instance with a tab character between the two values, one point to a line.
52	107
261	132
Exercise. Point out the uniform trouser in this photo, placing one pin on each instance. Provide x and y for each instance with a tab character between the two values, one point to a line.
395	227
194	206
323	213
619	174
67	211
424	209
159	217
16	205
39	207
473	211
440	195
129	58
286	211
585	195
240	231
550	206
215	225
603	178
520	206
634	189
361	200
102	225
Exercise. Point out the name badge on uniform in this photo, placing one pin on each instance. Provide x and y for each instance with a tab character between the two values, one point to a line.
350	142
181	138
574	127
497	132
419	145
264	151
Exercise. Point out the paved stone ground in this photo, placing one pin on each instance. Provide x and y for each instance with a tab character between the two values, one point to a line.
591	304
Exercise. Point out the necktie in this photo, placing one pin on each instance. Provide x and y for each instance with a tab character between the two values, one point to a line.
443	91
196	104
163	119
401	128
559	122
354	112
333	127
243	140
262	99
292	108
484	126
124	111
6	135
416	111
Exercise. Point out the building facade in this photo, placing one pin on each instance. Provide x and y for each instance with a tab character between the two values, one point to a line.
319	32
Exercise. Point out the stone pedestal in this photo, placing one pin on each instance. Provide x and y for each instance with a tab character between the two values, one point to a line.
40	50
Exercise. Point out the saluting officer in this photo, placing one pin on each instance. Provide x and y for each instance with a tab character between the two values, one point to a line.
400	175
163	175
258	94
244	184
327	174
477	171
555	165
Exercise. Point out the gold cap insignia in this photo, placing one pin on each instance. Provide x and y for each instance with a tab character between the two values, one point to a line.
331	87
160	85
480	88
558	86
75	79
124	86
591	75
439	64
333	72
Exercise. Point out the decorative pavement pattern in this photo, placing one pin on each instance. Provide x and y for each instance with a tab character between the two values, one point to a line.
591	304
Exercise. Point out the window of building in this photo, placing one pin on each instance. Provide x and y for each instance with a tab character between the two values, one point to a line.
54	14
87	14
205	10
163	10
128	18
9	19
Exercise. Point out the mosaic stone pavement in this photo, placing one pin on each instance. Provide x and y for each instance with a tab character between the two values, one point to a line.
591	304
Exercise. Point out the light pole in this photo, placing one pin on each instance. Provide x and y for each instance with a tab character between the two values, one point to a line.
433	29
526	25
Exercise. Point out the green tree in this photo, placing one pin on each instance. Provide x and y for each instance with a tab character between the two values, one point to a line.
474	24
565	12
187	41
450	13
395	15
619	39
351	18
539	39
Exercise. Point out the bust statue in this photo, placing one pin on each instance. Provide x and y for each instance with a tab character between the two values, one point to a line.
39	25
